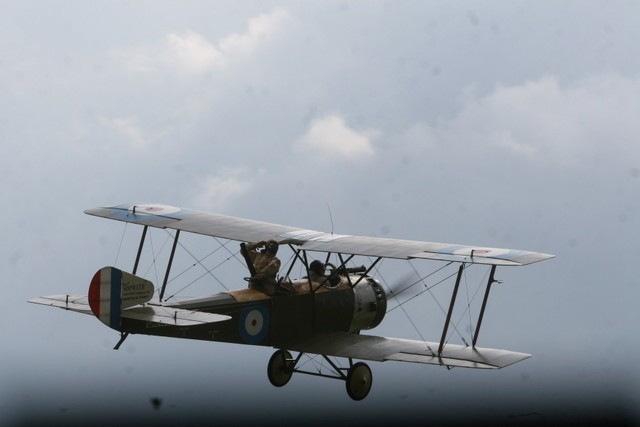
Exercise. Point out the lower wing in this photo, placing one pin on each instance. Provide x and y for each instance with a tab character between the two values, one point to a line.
380	349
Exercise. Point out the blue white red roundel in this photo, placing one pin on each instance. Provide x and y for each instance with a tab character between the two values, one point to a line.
155	209
254	324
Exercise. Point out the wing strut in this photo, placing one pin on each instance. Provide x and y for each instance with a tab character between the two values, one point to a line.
144	234
453	302
344	264
296	254
166	276
484	303
306	266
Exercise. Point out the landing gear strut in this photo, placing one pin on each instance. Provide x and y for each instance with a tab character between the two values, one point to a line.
358	378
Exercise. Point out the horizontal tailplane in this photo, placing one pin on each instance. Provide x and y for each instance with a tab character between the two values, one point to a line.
115	294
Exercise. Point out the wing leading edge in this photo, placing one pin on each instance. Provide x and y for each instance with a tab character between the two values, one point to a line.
240	229
380	349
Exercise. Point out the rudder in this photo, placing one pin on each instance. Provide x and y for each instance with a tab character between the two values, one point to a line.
112	290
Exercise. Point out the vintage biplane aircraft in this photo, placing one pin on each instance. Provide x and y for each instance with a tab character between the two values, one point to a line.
322	317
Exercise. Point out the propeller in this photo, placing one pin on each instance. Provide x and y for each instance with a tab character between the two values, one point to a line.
404	283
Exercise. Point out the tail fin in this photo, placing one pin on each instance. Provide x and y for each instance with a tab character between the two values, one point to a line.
112	290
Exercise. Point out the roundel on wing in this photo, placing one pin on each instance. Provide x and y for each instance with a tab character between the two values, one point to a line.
254	324
156	209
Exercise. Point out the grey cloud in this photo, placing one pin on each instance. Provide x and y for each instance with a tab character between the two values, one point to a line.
499	124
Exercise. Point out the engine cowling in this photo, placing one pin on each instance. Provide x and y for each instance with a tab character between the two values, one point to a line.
370	304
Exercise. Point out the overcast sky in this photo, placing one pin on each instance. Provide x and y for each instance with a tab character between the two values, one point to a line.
508	124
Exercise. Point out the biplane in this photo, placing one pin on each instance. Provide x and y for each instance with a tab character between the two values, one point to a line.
318	317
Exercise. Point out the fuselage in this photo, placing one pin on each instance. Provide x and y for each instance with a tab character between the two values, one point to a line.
276	321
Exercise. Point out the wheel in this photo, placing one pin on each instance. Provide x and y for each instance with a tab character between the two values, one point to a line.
280	368
359	380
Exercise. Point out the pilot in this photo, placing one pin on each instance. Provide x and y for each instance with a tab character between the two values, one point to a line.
316	272
266	265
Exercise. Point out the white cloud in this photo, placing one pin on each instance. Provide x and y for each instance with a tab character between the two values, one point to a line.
129	129
191	53
505	139
543	119
331	137
260	29
216	192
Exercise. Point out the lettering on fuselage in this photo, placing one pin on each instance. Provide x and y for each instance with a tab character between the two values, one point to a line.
136	291
127	287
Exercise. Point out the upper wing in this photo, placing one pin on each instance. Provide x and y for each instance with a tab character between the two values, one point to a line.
233	228
368	347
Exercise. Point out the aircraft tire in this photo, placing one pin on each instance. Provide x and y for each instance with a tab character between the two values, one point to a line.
280	368
359	381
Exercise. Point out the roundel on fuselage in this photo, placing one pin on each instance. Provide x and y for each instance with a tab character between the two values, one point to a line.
253	323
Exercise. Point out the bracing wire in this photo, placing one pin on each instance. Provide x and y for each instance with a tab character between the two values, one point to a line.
285	266
319	366
200	277
376	271
429	288
425	290
199	261
415	327
468	309
235	255
124	230
309	359
154	257
421	279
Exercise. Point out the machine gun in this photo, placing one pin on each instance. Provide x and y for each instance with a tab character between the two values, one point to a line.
344	271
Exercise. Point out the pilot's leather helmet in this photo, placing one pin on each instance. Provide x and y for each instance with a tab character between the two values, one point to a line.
317	267
272	247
